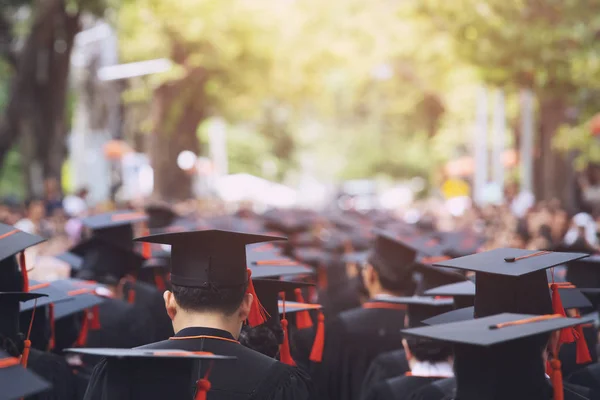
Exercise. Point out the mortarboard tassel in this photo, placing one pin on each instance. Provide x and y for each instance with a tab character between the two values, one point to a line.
556	378
130	288
52	341
23	264
83	332
27	341
146	246
159	282
257	314
322	277
566	334
582	351
303	319
285	354
316	353
95	322
312	294
203	387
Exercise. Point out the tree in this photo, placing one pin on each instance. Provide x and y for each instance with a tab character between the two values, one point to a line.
548	46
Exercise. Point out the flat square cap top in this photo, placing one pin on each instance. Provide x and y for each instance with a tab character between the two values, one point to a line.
415	300
151	353
114	219
496	329
17	382
466	288
211	256
510	262
13	241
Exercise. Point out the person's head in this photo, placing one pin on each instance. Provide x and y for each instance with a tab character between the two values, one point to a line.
224	306
51	187
375	282
36	210
83	192
426	350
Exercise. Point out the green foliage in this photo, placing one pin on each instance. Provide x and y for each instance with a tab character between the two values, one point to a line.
12	180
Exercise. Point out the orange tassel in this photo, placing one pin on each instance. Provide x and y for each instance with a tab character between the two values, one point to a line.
582	352
95	322
566	334
556	378
82	338
203	386
131	290
146	246
257	315
322	277
25	355
23	265
285	354
159	282
52	341
316	353
303	319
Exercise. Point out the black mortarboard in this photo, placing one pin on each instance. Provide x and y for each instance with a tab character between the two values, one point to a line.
360	257
115	227
585	272
265	262
149	353
460	244
432	276
511	280
51	294
313	256
495	329
18	382
82	295
212	256
463	293
392	257
268	290
105	262
9	311
420	308
13	241
160	215
293	307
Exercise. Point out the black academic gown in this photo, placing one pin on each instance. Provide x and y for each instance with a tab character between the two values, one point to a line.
122	325
352	341
588	376
54	369
251	376
385	366
152	306
398	388
445	389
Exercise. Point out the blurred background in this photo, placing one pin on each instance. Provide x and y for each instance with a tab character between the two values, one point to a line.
423	107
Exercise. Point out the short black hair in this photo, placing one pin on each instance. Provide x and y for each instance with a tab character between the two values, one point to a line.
225	300
398	284
429	350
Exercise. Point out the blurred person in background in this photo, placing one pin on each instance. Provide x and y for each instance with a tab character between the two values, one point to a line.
35	221
52	196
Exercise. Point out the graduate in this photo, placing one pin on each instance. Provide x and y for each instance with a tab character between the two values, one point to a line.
357	336
428	360
212	296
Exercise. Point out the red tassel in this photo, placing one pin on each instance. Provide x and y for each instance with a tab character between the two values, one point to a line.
257	315
556	378
146	246
316	354
23	265
303	319
159	282
25	355
82	338
203	386
548	368
95	322
131	290
285	354
582	352
566	334
52	341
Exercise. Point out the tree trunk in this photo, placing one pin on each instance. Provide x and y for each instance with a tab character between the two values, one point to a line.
36	109
178	109
551	167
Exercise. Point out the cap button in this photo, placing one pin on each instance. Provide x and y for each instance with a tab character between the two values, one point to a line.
510	259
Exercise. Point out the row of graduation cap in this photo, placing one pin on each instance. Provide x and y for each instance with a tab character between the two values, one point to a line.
108	231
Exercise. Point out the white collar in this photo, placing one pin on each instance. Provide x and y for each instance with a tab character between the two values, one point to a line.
424	368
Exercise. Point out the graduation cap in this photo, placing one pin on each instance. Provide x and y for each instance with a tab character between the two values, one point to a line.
512	280
115	227
265	262
432	276
420	308
160	215
584	272
12	242
461	243
104	261
51	293
9	311
463	293
73	260
360	257
212	257
269	290
18	382
393	257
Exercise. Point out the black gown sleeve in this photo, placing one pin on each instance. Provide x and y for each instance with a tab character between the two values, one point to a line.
57	372
286	383
97	389
380	391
